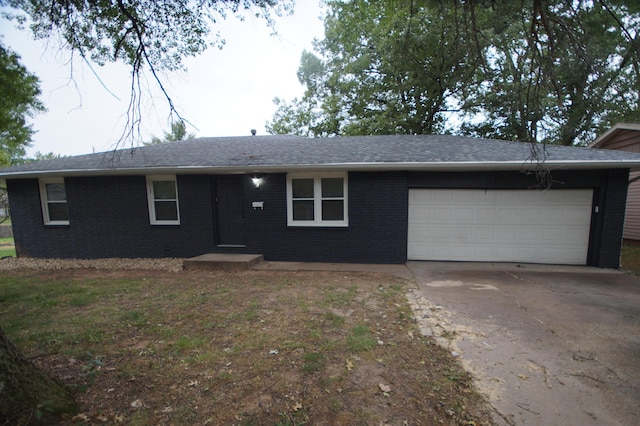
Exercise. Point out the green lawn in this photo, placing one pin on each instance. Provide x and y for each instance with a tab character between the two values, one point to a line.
7	247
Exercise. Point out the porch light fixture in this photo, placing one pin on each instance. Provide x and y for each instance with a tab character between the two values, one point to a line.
257	181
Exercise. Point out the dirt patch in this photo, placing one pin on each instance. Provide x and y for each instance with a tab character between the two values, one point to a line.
250	348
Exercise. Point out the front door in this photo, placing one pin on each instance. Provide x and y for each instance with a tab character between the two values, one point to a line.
229	201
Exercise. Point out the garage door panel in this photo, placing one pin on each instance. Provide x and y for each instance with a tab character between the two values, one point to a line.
462	234
441	233
463	215
419	217
486	215
581	216
441	215
554	236
460	250
530	215
506	215
483	234
500	225
506	232
527	235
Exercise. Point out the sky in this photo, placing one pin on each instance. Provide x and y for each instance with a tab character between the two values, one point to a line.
224	92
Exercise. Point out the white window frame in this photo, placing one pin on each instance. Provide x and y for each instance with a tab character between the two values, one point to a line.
151	200
45	201
317	199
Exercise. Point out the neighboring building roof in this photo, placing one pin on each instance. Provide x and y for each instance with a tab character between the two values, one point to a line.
253	154
618	137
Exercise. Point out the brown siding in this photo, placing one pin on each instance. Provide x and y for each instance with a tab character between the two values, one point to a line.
623	140
628	140
632	217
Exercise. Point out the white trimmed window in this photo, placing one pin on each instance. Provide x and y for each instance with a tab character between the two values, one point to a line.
162	195
54	201
317	199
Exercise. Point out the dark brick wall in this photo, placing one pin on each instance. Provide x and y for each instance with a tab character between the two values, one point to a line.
109	217
26	216
611	201
377	223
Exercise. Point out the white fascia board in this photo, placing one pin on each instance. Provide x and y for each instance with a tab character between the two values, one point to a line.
284	168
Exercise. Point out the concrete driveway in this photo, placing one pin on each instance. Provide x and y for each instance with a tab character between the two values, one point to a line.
549	345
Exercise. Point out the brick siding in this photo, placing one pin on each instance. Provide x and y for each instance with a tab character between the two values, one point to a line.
109	217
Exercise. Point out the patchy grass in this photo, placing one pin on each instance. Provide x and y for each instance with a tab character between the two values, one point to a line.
7	247
360	339
251	348
631	257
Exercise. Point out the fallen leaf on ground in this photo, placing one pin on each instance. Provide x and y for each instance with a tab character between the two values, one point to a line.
349	365
80	418
384	388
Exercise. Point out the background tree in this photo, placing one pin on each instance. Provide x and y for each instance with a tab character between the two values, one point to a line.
178	133
384	67
39	156
18	102
556	71
4	203
550	71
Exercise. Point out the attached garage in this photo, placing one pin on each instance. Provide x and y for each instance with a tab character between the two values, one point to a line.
500	225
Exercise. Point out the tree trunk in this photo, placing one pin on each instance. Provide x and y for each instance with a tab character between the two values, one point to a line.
27	395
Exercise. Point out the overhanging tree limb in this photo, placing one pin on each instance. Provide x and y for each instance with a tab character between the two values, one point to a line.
153	35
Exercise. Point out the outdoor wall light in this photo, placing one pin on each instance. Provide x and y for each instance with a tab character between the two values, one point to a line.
257	181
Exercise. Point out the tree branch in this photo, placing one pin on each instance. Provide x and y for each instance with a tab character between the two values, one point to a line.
134	102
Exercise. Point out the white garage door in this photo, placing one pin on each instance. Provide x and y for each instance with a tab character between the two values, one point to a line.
500	225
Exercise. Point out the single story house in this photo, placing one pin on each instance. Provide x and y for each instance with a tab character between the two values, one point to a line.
626	137
363	199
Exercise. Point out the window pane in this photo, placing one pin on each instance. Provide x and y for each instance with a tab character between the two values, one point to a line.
332	187
58	212
166	210
332	210
302	188
55	192
164	190
303	210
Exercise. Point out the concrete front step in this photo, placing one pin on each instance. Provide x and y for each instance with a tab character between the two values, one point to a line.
223	261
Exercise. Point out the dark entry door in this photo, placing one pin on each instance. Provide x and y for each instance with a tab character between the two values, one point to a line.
229	200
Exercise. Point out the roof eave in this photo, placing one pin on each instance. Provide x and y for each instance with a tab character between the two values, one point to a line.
377	166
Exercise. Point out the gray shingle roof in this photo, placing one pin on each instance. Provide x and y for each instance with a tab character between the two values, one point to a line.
287	153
